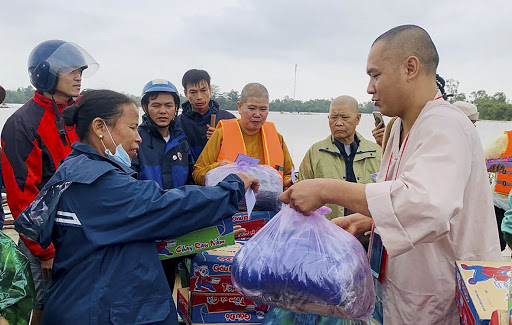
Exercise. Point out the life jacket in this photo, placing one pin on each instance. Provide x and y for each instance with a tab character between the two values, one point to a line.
233	144
504	178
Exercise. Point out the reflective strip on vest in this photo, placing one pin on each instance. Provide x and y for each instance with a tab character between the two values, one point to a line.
233	144
504	180
503	183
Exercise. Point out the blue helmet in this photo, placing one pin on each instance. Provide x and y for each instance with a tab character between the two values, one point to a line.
159	85
52	58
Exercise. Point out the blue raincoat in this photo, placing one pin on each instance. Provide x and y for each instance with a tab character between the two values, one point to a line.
103	224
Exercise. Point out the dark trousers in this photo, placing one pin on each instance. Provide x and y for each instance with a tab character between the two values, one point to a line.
500	213
170	267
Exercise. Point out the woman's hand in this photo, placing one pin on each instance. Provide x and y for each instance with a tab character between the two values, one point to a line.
237	230
249	181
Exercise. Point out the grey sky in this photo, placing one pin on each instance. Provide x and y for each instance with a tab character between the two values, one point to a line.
240	41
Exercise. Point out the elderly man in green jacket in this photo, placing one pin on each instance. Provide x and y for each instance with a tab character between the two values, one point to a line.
344	154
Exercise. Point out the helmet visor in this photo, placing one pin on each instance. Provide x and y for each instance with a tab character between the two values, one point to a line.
68	57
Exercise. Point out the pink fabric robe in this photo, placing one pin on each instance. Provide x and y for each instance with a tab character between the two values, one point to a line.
435	208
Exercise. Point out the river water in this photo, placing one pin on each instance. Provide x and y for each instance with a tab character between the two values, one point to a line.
300	131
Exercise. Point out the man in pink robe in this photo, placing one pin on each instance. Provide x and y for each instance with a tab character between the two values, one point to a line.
432	204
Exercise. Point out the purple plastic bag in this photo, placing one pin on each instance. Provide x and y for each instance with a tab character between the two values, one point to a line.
271	183
306	264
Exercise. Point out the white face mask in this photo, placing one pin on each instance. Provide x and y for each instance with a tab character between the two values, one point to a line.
121	156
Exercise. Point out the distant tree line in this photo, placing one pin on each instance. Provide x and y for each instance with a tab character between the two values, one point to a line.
19	96
491	107
228	101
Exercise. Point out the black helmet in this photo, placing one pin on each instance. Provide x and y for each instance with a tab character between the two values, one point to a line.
52	58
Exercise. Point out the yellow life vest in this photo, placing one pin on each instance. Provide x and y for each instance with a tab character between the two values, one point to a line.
233	144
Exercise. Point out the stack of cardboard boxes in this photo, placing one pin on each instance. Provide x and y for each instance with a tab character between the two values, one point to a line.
251	223
211	297
218	235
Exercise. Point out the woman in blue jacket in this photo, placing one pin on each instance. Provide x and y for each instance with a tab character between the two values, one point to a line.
103	222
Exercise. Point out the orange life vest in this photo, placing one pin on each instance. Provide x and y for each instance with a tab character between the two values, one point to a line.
504	179
233	144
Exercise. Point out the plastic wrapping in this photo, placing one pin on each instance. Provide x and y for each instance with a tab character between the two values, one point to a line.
278	316
306	264
271	183
31	221
16	286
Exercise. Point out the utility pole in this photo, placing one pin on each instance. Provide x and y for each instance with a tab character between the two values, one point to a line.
295	82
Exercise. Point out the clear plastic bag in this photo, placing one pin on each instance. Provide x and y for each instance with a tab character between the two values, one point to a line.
306	264
278	316
31	221
271	183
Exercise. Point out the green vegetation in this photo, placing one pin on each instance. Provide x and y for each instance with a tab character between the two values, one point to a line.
495	107
228	101
367	107
19	96
491	107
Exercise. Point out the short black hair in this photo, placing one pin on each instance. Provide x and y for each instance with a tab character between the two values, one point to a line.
412	40
194	77
103	103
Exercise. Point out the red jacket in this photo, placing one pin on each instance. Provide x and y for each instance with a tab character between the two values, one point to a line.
32	150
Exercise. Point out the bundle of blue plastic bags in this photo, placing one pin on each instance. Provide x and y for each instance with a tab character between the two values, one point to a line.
306	264
271	183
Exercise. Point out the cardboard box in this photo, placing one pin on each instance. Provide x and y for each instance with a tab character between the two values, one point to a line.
219	235
210	271
183	304
482	287
226	317
499	317
225	308
252	223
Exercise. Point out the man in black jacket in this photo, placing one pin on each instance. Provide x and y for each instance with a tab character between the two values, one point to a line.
195	120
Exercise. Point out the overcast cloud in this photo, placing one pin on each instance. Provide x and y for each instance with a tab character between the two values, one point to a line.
258	40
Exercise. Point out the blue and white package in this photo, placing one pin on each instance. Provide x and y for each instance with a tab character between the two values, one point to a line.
306	264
